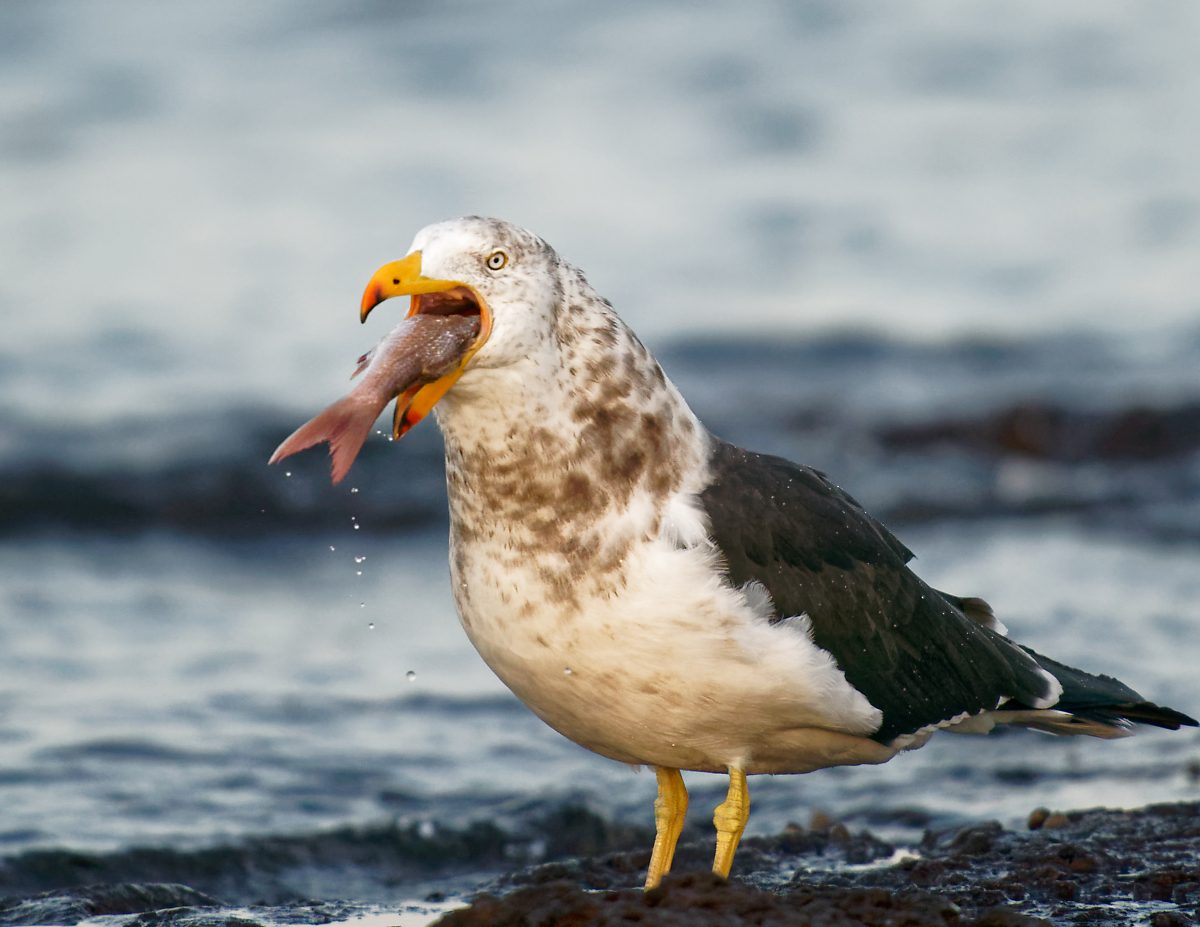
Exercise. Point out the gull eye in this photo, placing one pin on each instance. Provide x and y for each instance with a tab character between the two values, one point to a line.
496	260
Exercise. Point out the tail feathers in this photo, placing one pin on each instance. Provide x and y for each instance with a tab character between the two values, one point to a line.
1053	721
1141	713
1091	704
345	425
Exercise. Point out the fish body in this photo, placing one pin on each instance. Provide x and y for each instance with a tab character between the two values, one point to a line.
419	350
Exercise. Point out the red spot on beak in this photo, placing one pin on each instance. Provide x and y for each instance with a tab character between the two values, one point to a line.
372	297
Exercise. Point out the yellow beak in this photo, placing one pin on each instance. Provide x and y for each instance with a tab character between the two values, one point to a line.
400	278
404	278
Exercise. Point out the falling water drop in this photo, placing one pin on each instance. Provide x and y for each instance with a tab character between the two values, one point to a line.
287	473
358	572
331	547
567	671
410	675
353	489
360	558
370	625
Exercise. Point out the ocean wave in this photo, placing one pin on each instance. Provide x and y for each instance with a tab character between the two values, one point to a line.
972	429
376	862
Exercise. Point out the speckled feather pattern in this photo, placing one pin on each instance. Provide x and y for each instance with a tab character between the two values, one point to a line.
663	598
582	565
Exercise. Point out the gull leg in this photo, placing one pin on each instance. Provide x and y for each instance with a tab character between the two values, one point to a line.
730	820
670	808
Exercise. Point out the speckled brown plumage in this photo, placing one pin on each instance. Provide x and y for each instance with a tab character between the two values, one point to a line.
613	432
663	598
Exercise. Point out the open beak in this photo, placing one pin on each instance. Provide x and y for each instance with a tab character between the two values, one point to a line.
434	297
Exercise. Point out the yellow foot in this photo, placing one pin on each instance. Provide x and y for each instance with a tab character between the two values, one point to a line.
730	820
670	808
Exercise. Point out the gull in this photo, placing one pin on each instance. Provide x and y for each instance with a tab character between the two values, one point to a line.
667	599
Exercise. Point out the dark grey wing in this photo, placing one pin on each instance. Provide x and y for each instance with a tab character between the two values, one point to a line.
912	652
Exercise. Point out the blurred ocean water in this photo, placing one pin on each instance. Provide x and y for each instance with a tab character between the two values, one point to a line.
946	252
194	194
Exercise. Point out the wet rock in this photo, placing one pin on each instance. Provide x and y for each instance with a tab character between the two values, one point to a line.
926	872
697	898
1037	817
1106	868
1171	884
1096	871
978	839
1005	917
1169	919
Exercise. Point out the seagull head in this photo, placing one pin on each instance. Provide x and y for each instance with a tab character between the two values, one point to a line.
473	266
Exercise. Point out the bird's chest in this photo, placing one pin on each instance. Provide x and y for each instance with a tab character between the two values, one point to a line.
547	622
569	585
572	652
626	640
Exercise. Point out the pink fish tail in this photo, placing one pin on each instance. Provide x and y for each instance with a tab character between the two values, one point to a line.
345	425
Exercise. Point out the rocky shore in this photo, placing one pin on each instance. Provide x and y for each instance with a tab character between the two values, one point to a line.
1087	867
1096	867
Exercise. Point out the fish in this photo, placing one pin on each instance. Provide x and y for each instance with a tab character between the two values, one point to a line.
421	349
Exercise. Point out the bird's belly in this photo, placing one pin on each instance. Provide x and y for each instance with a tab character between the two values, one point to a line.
654	672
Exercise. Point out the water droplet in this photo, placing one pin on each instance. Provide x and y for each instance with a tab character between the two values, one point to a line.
362	604
357	526
331	547
287	473
410	675
353	489
358	572
360	558
371	626
568	671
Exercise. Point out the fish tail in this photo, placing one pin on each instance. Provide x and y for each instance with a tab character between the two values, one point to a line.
345	425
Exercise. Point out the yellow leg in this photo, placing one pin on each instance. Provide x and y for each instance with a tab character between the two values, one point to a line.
670	808
730	820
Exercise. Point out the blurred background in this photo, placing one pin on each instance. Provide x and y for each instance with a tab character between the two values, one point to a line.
947	252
